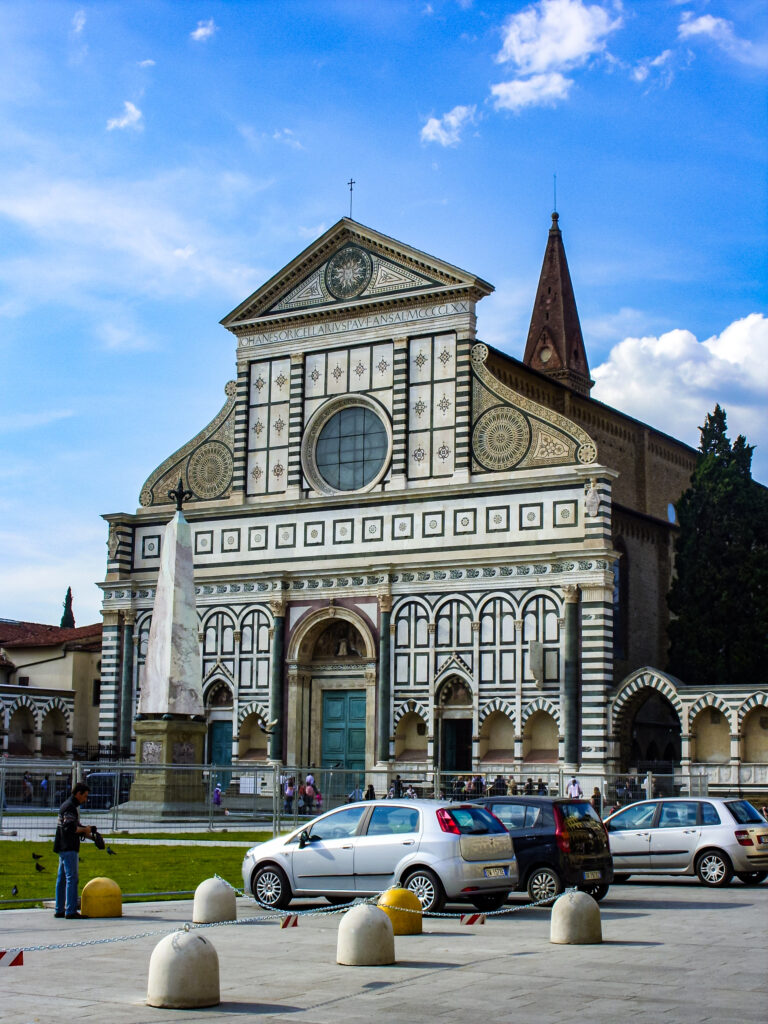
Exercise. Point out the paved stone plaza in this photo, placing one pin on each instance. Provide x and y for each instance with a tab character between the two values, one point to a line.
672	951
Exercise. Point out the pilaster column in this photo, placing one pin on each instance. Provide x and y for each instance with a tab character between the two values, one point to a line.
570	708
110	677
464	341
384	691
126	680
277	607
295	423
400	412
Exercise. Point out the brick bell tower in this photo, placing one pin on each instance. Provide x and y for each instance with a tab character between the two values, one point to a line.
555	344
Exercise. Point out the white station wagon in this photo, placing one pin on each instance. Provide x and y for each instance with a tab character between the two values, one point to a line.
710	837
438	850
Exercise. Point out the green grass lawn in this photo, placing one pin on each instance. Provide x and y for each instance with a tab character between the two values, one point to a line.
135	868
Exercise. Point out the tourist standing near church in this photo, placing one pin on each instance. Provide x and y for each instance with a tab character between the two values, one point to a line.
67	844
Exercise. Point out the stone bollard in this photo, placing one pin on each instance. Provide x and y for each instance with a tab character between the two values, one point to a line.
214	901
365	938
403	909
101	897
183	973
575	920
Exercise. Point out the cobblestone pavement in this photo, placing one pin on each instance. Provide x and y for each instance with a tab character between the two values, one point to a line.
672	951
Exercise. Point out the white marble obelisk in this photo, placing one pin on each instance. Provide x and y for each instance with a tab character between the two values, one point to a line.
172	683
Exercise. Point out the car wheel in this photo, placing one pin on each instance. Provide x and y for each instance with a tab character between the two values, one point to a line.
271	888
544	884
752	877
339	901
597	892
486	904
714	868
427	886
621	878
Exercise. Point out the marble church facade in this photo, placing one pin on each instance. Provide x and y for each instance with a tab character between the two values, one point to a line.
406	544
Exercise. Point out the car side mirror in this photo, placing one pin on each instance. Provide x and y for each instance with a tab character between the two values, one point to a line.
303	839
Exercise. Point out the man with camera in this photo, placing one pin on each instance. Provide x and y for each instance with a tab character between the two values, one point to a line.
67	844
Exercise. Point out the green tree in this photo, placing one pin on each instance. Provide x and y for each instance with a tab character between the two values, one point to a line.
719	597
68	618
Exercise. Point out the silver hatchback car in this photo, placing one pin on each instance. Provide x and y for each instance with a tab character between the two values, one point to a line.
711	837
437	849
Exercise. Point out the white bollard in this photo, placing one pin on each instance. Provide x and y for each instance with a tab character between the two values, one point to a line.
366	938
214	902
183	973
575	920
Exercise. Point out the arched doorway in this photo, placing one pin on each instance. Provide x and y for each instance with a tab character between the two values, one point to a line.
219	709
649	734
540	739
754	736
710	737
21	733
332	691
453	711
54	734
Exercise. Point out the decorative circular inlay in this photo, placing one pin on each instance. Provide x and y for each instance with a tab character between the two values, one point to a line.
500	438
256	472
230	388
443	452
210	470
313	534
465	521
433	524
372	528
587	453
230	540
420	407
348	272
145	498
419	455
150	547
497	519
565	513
479	353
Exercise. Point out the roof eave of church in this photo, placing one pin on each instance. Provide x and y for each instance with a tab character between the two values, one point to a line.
288	275
588	398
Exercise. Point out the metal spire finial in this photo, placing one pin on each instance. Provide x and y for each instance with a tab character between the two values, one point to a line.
351	184
180	495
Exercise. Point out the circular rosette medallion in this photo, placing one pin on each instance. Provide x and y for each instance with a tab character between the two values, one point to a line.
500	438
210	470
348	272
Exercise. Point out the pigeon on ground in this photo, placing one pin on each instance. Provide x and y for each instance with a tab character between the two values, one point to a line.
15	890
37	856
111	852
39	867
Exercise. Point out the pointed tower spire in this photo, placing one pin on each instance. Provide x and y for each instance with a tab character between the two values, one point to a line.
555	345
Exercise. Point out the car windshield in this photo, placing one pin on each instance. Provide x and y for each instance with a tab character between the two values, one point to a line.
745	813
475	821
574	814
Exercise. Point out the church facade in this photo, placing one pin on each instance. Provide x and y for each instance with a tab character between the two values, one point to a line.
413	552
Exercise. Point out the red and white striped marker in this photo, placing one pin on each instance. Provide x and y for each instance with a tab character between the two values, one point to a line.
472	919
11	958
289	921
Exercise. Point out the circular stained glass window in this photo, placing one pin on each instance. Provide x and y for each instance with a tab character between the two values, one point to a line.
351	448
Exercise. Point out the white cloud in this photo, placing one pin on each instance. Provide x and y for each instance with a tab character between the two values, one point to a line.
78	22
446	130
661	65
204	30
131	118
536	91
11	422
673	380
555	35
287	136
119	338
146	63
722	33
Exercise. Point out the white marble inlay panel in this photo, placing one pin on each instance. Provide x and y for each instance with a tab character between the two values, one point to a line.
444	350
360	369
382	359
281	380
258	432
260	383
314	375
420	454
443	453
278	470
419	411
337	376
257	472
420	368
278	424
444	404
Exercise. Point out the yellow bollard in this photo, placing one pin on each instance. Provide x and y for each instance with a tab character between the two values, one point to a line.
403	909
102	897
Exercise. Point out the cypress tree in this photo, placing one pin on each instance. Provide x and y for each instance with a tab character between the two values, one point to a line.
68	619
719	597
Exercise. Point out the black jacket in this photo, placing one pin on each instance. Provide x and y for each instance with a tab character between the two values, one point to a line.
67	838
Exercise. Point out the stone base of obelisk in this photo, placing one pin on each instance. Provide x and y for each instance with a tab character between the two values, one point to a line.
168	780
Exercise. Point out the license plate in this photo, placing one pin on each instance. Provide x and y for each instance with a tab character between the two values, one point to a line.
592	876
763	840
495	872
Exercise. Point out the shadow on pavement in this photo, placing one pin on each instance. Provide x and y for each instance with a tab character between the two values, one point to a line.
260	1008
681	905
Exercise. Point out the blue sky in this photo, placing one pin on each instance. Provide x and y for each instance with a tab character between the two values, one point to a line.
159	161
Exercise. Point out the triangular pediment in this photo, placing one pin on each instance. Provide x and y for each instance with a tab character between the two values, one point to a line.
349	267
